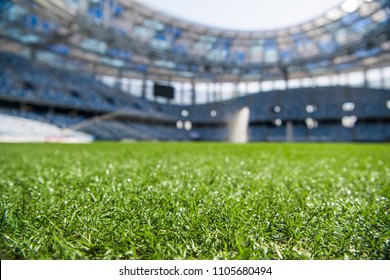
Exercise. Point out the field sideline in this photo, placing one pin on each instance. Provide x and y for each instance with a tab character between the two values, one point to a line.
194	201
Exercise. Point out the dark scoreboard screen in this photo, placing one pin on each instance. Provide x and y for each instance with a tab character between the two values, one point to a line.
167	92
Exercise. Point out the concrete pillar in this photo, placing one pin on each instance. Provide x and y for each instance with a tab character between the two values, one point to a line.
209	92
347	81
365	78
289	131
144	79
193	91
182	93
220	90
336	79
383	80
215	99
118	83
235	90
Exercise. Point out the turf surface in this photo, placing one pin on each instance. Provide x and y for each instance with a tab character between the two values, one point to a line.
194	201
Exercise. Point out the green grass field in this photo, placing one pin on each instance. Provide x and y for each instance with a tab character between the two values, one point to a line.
194	201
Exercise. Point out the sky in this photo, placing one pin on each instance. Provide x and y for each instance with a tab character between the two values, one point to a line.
245	14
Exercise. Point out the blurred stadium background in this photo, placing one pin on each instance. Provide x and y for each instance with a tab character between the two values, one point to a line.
85	70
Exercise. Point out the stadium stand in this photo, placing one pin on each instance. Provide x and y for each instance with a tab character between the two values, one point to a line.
265	108
98	76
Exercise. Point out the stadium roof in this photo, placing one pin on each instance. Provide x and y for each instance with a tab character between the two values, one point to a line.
128	39
244	14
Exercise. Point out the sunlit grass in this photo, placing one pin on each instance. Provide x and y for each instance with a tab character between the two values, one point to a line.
194	201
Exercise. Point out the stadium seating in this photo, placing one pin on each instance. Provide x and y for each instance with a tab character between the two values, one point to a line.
70	98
